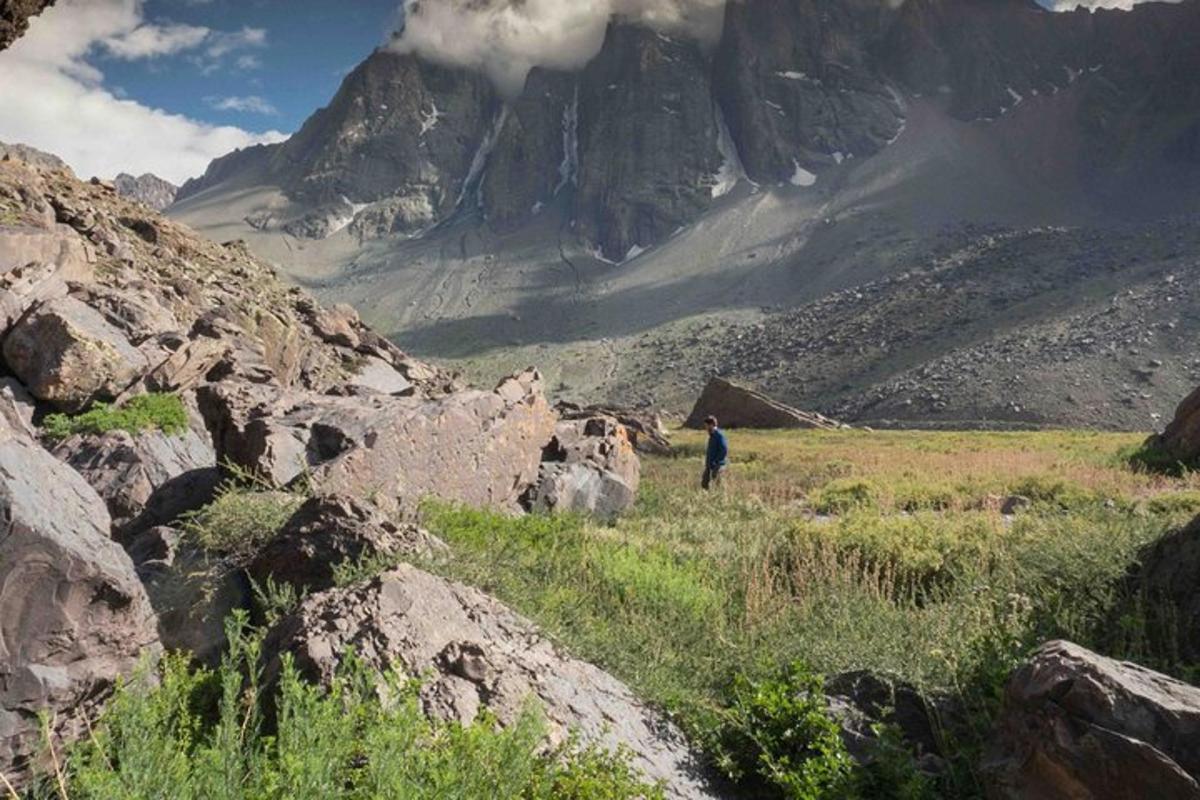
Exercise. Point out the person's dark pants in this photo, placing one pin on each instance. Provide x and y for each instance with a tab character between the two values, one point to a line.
712	476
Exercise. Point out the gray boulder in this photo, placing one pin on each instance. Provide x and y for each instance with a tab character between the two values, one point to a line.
738	406
147	479
328	532
35	265
17	407
477	653
1181	439
68	354
1077	726
73	615
589	466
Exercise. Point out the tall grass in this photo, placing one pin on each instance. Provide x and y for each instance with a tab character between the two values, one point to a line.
911	571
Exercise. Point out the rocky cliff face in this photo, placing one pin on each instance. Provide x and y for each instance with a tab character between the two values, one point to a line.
149	190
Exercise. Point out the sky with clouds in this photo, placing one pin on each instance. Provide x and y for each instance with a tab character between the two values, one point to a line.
165	86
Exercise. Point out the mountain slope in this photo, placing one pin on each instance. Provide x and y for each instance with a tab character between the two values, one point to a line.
601	217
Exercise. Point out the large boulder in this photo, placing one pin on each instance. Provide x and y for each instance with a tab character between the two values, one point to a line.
146	479
475	653
1181	439
589	466
473	447
36	265
330	532
738	406
73	615
1165	585
68	354
643	425
1077	726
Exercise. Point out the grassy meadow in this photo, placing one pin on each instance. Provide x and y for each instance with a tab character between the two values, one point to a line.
839	551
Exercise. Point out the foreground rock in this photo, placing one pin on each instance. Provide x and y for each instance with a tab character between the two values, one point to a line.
1077	725
479	653
1181	439
473	447
147	479
737	406
330	532
73	615
588	467
1166	585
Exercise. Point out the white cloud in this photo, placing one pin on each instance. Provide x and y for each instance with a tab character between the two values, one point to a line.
53	99
252	104
507	38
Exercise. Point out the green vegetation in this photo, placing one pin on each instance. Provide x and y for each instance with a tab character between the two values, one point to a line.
164	412
847	551
245	514
203	735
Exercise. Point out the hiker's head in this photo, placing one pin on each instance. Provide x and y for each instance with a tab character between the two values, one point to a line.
710	423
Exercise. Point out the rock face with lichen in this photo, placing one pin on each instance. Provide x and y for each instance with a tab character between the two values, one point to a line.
14	18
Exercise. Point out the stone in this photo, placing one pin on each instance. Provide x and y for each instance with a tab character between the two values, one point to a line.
589	466
475	652
192	591
1166	582
17	408
1181	439
327	532
74	617
67	354
377	375
14	18
643	425
36	265
1015	504
1078	725
473	447
738	406
146	479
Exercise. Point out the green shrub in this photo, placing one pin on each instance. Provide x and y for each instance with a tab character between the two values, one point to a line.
242	518
201	735
844	495
778	732
164	412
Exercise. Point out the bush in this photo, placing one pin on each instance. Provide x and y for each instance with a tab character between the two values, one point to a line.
201	735
242	518
164	412
844	495
777	731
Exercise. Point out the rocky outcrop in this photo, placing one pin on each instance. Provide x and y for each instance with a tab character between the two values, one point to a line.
1165	584
589	467
73	615
1078	725
737	406
145	480
32	156
643	425
14	18
331	532
1181	439
476	653
148	189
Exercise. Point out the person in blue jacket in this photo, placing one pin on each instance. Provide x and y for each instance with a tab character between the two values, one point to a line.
717	457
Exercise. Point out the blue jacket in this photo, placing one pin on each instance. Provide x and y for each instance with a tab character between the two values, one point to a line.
718	448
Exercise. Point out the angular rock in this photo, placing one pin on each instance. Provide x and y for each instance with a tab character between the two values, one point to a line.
327	532
737	406
479	653
861	701
1166	582
474	447
1181	439
146	480
66	353
590	467
35	266
1078	725
644	425
73	615
17	408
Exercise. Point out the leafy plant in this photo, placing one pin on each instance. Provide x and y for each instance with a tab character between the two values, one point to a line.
245	514
164	412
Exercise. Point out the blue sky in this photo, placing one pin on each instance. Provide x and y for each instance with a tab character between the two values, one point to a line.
309	47
165	86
